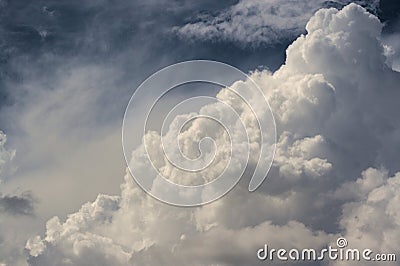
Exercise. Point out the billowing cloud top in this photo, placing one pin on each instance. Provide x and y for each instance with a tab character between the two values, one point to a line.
259	22
335	104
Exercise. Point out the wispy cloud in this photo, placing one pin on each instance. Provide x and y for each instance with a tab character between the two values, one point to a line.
258	22
6	156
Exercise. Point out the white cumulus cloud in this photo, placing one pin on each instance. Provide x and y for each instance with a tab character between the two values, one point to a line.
335	102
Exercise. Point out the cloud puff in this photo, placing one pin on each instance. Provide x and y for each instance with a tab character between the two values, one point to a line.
6	155
392	42
257	22
335	104
371	220
17	204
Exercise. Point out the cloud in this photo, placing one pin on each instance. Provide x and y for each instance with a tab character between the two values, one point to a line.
16	209
87	248
63	94
335	105
17	204
371	220
66	95
6	156
392	50
258	23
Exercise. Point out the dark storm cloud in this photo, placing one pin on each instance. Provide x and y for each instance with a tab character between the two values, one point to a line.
126	32
130	34
17	204
94	28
